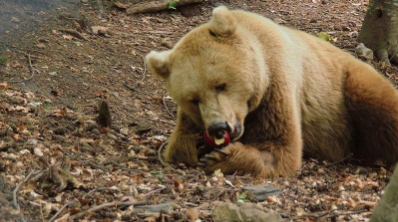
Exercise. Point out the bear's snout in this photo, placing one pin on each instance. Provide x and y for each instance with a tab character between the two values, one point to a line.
218	130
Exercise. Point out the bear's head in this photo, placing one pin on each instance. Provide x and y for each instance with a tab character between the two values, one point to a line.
216	74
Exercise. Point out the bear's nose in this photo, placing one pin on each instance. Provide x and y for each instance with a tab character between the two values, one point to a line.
217	130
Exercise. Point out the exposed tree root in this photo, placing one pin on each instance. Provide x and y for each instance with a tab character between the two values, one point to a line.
158	5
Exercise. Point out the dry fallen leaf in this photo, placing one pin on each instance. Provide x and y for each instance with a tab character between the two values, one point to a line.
192	214
67	37
3	85
99	29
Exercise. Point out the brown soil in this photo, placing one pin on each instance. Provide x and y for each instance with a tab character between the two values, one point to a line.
47	121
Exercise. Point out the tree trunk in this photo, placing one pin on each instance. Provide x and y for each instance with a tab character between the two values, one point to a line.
379	30
387	208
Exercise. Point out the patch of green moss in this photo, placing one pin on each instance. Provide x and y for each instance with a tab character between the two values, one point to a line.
3	60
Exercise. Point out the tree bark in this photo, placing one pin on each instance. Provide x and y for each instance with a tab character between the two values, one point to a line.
379	30
387	208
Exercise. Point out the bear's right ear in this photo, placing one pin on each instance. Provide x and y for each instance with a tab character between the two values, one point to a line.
223	23
158	63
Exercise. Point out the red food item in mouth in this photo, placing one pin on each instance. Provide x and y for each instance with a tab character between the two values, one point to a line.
214	142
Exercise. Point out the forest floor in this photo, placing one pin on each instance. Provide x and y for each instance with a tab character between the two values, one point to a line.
57	162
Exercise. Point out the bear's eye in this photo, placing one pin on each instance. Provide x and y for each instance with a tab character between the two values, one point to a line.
213	34
221	87
194	101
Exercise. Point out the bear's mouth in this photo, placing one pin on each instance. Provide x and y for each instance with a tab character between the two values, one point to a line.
237	132
219	135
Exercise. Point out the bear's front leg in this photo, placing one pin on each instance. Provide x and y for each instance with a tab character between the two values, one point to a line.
237	157
182	144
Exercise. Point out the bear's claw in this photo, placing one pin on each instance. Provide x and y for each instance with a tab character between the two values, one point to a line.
221	151
211	156
216	157
201	164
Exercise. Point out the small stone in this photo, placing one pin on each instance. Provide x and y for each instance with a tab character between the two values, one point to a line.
364	52
17	100
116	128
255	213
156	208
38	152
353	34
90	125
96	131
124	131
261	192
142	128
226	212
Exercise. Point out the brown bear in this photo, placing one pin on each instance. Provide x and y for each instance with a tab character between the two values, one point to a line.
279	93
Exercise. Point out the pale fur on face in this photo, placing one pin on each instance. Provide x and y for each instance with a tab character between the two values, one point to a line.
207	87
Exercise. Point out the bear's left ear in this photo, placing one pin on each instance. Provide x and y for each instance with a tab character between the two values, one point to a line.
158	63
223	23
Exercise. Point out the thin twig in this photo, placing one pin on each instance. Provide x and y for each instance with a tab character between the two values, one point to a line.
41	212
160	157
143	76
32	70
15	191
144	71
339	161
134	89
167	108
95	166
154	191
160	151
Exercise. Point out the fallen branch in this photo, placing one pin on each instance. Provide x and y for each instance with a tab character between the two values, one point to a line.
74	33
15	191
328	214
106	205
60	210
342	214
70	202
159	5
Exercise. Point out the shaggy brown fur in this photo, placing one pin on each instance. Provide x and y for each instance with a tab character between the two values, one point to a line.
291	91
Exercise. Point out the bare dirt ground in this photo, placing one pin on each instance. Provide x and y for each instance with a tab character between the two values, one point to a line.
57	162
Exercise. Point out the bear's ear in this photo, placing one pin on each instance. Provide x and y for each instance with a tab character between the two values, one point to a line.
158	63
223	23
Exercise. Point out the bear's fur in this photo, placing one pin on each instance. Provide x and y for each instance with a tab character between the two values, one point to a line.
292	92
